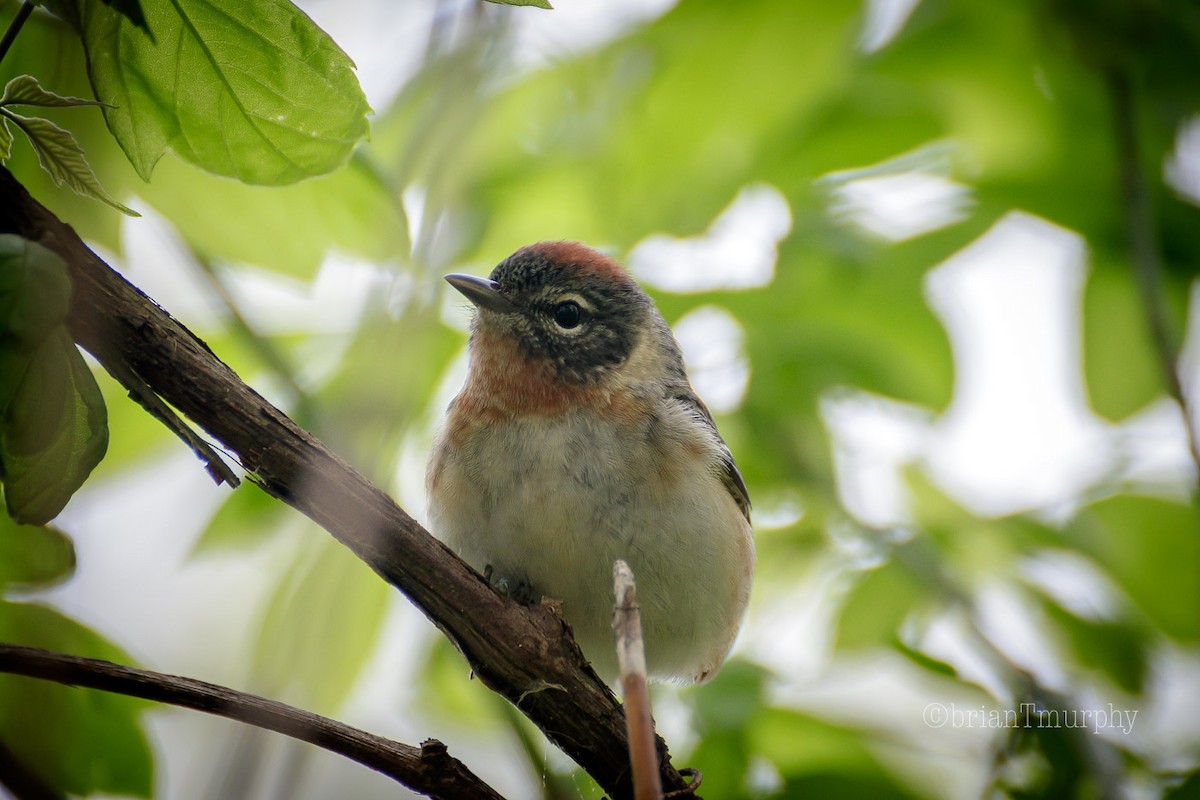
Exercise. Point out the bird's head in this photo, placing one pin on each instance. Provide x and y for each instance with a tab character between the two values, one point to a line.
568	311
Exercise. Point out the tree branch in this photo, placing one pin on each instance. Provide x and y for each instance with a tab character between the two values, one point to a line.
428	769
522	653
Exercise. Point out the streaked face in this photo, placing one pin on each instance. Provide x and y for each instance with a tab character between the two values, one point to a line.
583	320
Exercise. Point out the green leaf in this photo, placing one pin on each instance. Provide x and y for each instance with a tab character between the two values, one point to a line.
53	433
25	90
249	90
1188	789
1054	759
6	140
816	758
1151	549
1120	363
924	660
132	10
33	557
81	741
876	607
320	628
35	293
53	428
1117	647
62	157
247	517
348	210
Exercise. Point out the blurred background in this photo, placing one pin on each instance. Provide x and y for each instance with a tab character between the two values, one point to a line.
892	239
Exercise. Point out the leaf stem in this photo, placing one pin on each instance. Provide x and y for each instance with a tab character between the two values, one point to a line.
14	27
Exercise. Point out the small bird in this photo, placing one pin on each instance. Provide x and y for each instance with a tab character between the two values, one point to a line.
577	440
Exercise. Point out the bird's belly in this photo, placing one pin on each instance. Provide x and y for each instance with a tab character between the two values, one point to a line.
551	504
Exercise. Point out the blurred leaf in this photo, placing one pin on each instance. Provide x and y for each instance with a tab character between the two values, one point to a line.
1151	549
1155	44
1118	648
249	90
451	693
819	759
52	434
385	381
320	627
53	428
596	148
968	547
246	518
924	660
1120	363
1049	760
81	741
877	605
34	295
727	711
1189	789
33	557
732	698
294	227
813	758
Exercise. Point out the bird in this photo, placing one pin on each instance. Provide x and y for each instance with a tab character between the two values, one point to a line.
577	439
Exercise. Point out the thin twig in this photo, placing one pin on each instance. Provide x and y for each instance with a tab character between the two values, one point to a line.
1144	248
427	769
14	27
631	659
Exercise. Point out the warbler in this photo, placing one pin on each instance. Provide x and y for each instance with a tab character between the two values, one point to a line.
577	440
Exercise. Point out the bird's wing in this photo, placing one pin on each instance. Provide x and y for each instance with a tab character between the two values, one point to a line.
731	477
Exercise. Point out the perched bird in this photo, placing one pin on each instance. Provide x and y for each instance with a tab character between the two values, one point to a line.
577	440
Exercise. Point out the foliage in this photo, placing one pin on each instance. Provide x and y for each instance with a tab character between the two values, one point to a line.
79	741
52	420
1007	107
57	151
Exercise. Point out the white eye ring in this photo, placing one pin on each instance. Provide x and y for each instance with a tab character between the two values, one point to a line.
570	312
568	315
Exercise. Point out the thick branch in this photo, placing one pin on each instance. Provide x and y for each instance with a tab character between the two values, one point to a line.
519	652
427	769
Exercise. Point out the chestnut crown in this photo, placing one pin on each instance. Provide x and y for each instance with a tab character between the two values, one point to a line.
564	304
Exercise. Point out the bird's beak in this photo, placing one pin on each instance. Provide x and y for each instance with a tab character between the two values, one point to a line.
482	292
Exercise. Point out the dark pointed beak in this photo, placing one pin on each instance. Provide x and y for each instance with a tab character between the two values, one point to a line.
482	292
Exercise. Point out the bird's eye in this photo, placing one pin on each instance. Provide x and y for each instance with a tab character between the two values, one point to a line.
568	315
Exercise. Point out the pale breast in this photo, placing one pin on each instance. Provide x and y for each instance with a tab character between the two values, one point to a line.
552	501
